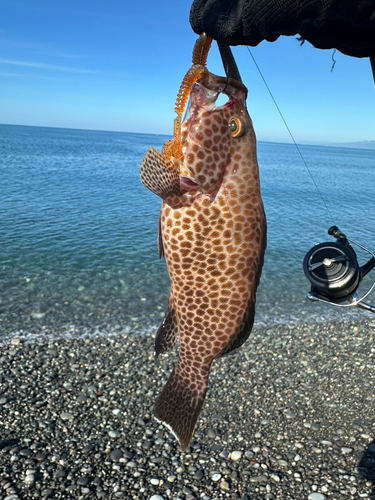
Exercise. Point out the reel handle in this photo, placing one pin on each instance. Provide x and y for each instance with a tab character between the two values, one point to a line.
335	231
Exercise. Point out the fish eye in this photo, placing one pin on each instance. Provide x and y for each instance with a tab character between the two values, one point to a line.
236	127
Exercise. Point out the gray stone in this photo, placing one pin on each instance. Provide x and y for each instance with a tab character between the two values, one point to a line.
47	492
116	454
224	485
83	481
86	449
283	463
65	415
315	426
259	479
346	450
199	475
316	496
128	454
29	479
25	452
236	455
60	472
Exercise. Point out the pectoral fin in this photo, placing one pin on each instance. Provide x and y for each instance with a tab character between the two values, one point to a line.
160	175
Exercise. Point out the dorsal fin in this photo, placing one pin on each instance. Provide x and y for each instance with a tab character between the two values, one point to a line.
160	239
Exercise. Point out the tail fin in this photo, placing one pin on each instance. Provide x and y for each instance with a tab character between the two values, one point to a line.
181	401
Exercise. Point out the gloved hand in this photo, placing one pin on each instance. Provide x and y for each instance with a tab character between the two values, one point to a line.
347	25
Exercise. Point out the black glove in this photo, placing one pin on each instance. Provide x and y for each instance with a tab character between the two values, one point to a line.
347	25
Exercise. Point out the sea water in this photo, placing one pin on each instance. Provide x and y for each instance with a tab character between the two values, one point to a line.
78	231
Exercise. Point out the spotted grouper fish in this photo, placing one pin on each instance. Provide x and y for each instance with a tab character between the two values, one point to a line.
212	232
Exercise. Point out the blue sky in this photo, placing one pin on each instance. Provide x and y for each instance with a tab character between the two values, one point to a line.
117	65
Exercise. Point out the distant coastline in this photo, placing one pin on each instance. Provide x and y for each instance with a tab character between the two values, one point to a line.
358	144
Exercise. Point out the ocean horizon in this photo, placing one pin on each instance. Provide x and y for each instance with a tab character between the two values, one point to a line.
78	230
366	144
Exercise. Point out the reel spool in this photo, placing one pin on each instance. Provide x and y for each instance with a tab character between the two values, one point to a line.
334	273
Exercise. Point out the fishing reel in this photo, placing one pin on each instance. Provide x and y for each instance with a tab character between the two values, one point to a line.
334	272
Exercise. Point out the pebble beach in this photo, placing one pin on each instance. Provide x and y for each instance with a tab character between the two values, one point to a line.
291	415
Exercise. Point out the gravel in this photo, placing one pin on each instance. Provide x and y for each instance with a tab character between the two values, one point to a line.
289	416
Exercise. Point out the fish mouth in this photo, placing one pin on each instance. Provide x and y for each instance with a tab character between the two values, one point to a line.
193	190
186	185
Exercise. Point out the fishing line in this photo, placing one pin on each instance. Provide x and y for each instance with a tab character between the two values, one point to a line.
338	375
333	60
290	133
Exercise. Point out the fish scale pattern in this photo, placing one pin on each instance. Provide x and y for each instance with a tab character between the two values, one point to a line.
207	151
214	252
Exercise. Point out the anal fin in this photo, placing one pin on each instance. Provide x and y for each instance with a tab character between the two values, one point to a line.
167	334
